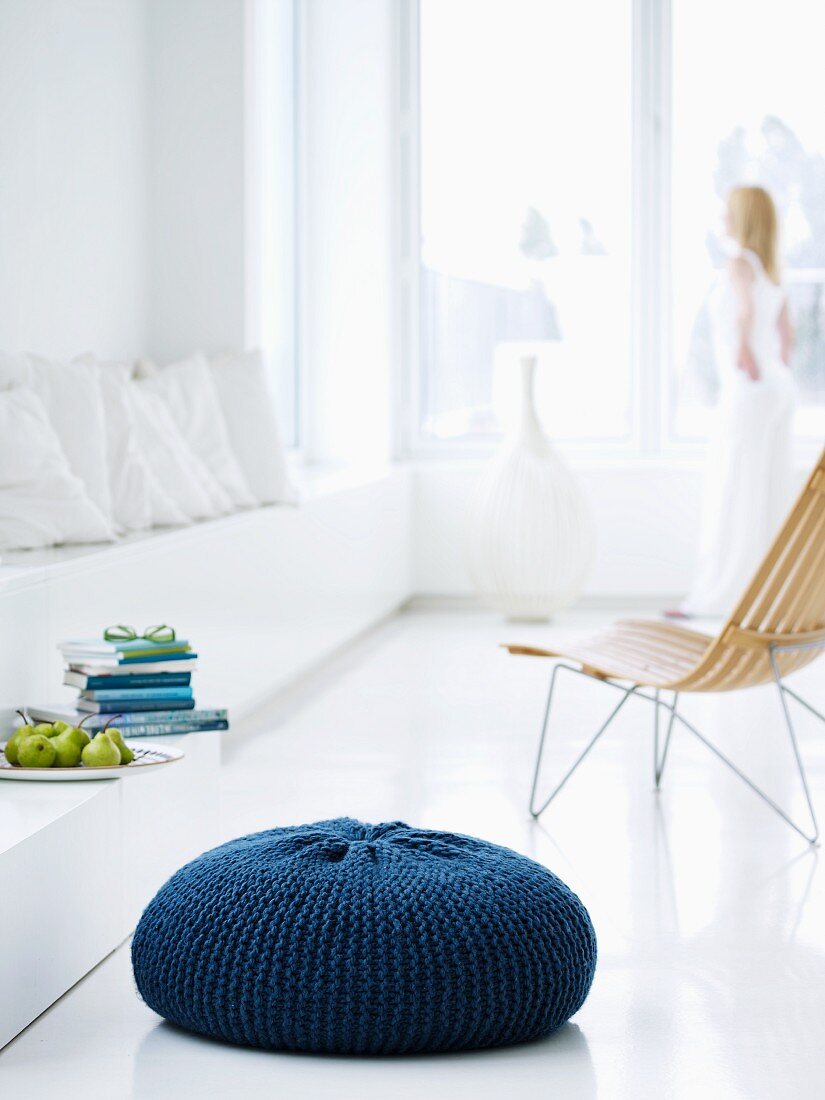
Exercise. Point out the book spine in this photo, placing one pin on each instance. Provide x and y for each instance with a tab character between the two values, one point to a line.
140	669
158	652
165	728
98	721
122	707
129	683
117	661
150	655
150	694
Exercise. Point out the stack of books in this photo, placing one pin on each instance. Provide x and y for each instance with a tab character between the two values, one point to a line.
146	684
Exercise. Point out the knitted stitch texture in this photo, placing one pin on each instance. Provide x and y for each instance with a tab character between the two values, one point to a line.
347	938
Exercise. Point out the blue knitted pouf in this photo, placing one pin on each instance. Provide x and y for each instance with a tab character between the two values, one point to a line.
347	938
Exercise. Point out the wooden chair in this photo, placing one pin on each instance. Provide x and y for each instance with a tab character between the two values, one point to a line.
777	628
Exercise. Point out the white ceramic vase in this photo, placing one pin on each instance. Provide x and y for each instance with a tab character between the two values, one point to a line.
530	538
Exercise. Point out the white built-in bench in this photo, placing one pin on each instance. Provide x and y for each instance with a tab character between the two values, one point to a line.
263	595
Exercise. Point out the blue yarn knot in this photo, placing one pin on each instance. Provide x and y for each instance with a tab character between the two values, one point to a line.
334	847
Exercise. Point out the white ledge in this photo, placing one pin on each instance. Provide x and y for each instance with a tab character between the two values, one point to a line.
22	568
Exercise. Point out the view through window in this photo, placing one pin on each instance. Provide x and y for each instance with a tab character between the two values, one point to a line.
526	181
755	116
525	212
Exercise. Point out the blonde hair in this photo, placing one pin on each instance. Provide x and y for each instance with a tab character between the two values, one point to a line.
754	224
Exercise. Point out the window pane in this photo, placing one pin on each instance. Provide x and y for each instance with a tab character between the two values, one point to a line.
747	108
525	211
272	113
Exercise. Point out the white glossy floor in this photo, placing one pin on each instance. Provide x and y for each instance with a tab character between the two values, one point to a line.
710	912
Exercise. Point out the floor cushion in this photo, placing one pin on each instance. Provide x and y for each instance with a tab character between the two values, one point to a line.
342	937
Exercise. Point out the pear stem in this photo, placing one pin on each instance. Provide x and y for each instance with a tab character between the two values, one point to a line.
114	716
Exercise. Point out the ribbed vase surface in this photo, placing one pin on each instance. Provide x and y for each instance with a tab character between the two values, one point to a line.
530	537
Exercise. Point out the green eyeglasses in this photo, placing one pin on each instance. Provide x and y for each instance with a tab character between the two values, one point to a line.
121	633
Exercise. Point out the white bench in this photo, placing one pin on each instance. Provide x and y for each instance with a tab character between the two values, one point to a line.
263	595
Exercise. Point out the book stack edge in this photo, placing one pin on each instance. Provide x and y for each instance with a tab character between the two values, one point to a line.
145	685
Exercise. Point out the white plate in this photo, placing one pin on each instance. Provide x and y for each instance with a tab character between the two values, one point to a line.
147	756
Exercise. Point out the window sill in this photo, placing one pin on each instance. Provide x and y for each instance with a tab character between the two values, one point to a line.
685	459
576	460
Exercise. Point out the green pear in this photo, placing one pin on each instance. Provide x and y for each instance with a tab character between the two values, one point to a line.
36	751
126	754
101	752
13	743
68	746
45	728
81	735
59	726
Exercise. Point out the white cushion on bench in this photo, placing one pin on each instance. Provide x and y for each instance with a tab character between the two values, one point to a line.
41	501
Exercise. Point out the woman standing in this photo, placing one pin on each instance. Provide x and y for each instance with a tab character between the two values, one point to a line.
750	483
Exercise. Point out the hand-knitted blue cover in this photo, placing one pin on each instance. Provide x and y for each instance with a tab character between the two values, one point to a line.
349	938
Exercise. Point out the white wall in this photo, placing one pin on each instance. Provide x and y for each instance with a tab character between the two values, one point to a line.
348	177
72	175
122	143
646	513
125	211
196	201
646	516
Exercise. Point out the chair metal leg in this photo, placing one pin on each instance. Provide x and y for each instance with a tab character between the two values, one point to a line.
795	745
626	693
811	838
804	703
656	737
659	763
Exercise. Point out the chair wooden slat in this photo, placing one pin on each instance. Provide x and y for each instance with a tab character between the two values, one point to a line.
799	571
784	604
807	604
799	529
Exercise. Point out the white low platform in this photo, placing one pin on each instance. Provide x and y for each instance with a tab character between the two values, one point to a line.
79	861
264	596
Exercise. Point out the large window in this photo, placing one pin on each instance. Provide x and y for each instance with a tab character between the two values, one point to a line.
273	200
525	211
746	108
568	166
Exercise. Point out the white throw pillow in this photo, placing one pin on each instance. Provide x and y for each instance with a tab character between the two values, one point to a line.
181	473
190	393
139	501
249	411
41	501
71	395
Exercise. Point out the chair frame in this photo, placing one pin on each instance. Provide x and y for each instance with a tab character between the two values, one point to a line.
777	627
659	761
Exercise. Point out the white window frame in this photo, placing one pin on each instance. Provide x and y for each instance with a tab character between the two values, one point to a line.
650	292
652	376
408	440
261	61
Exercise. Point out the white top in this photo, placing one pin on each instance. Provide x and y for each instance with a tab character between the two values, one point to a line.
768	299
